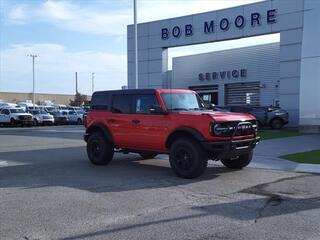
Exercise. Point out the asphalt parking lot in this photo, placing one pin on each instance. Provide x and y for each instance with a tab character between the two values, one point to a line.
49	190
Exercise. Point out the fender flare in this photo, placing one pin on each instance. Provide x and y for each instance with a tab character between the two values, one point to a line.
184	131
98	127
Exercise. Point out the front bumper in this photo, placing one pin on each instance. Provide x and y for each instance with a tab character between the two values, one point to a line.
231	148
23	122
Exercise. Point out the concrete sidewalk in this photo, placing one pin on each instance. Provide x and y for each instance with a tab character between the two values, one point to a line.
267	153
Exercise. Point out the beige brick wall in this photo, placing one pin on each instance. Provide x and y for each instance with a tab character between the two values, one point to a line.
19	97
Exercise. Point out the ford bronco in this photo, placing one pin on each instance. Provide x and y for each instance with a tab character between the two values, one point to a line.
168	121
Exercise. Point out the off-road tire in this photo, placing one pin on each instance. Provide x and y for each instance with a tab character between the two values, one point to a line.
147	155
100	151
187	158
239	162
276	123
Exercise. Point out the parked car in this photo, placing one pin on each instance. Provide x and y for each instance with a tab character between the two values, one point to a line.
74	108
274	117
170	121
6	105
41	117
74	117
48	109
60	106
60	118
27	106
13	116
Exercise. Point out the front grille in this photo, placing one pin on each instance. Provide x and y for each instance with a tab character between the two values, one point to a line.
25	118
242	130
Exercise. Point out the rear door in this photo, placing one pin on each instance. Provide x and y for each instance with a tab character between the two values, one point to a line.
120	120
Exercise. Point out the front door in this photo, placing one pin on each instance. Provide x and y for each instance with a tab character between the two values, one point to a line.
5	116
150	128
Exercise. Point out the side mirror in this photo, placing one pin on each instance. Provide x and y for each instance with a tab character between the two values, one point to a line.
269	109
210	106
156	109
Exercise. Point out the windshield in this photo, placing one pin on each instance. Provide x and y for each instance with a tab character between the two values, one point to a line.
50	108
181	101
16	110
35	111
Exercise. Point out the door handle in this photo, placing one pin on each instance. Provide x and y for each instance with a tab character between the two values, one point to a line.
111	120
136	121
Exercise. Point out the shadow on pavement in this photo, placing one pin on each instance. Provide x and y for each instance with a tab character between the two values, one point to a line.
70	167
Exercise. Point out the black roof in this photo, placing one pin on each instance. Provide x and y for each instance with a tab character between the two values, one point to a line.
126	91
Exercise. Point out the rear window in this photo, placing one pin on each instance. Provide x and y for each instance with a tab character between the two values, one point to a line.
100	102
121	103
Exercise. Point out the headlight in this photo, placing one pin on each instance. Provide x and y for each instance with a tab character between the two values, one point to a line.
279	113
221	129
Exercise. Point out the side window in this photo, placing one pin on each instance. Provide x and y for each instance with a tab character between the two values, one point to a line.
143	103
100	102
121	103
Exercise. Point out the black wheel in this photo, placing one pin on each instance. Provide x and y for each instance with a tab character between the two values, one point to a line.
187	158
99	150
277	123
259	125
147	155
12	122
238	162
79	121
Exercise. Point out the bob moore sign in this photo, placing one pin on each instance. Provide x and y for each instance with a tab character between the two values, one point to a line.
224	24
236	73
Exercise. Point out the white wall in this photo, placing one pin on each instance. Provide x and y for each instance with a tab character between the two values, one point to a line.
261	62
310	66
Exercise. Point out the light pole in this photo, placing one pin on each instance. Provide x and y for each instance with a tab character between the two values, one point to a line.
92	82
33	82
135	42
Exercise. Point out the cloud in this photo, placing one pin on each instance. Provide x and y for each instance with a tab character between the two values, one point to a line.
100	19
18	15
56	67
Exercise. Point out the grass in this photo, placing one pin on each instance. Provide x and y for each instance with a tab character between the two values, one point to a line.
304	157
269	134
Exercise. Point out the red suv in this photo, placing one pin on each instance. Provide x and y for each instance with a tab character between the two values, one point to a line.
168	121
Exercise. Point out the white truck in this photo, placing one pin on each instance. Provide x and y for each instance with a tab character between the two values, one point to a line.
13	116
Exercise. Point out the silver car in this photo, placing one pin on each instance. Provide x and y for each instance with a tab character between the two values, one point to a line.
74	117
41	117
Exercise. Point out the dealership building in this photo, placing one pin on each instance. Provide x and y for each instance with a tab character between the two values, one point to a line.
286	73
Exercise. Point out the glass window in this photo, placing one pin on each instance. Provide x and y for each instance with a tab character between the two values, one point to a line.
181	101
17	110
5	111
100	102
121	104
143	103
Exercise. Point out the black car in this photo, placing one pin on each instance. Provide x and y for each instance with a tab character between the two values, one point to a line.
272	116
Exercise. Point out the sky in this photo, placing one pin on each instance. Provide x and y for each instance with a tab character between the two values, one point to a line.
85	36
